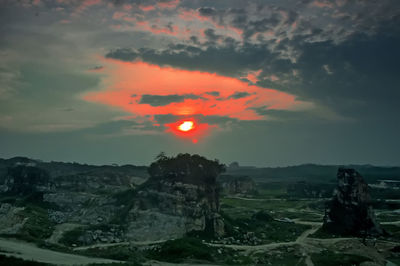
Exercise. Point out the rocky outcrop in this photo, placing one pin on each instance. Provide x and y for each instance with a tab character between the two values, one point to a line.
173	209
24	180
181	196
350	211
11	222
237	185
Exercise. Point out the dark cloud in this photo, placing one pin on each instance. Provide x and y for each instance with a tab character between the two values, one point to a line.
162	100
362	79
221	121
213	93
239	95
211	35
144	2
124	54
227	60
207	11
97	68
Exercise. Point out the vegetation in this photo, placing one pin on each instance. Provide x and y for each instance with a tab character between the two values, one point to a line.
310	190
38	225
193	169
190	249
242	208
393	230
321	233
5	260
26	179
329	258
124	199
280	257
73	236
181	249
264	228
122	253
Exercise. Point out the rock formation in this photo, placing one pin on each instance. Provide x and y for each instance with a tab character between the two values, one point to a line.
237	185
350	211
182	195
23	180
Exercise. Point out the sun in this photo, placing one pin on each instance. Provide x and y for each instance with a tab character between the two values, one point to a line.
186	126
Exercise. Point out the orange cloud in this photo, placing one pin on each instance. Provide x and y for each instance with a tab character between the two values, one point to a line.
147	90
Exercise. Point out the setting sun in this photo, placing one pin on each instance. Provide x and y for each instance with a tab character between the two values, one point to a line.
186	126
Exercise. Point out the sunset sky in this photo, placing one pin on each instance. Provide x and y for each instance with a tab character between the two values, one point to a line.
264	83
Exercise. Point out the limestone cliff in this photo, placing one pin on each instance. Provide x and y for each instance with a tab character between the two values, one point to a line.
237	185
182	195
350	211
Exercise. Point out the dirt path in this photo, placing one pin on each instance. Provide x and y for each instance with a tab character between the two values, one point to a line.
394	223
28	251
135	243
302	240
305	234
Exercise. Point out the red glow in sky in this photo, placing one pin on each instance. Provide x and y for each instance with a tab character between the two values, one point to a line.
188	128
146	90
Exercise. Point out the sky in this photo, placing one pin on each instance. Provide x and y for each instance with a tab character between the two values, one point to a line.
264	83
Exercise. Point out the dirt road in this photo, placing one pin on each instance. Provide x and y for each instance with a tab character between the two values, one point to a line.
29	251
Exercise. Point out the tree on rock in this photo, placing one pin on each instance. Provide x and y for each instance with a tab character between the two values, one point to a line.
186	168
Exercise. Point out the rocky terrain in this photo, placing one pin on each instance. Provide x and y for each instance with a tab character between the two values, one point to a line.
237	185
185	209
350	211
180	196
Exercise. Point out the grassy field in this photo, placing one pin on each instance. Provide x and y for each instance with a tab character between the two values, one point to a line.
188	249
278	208
387	216
330	258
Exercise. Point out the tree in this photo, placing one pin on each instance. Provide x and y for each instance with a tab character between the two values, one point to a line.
186	168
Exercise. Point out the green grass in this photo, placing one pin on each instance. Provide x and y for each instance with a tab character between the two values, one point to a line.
123	197
323	234
272	190
394	260
188	249
241	208
393	230
329	258
286	259
302	215
387	217
38	225
72	237
179	250
122	253
261	204
264	228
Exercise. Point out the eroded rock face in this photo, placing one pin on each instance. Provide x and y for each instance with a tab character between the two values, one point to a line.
238	185
182	195
23	180
350	211
10	220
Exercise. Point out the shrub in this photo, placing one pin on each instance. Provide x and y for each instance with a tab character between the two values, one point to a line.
184	248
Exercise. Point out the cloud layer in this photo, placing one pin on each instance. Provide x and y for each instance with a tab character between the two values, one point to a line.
295	77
